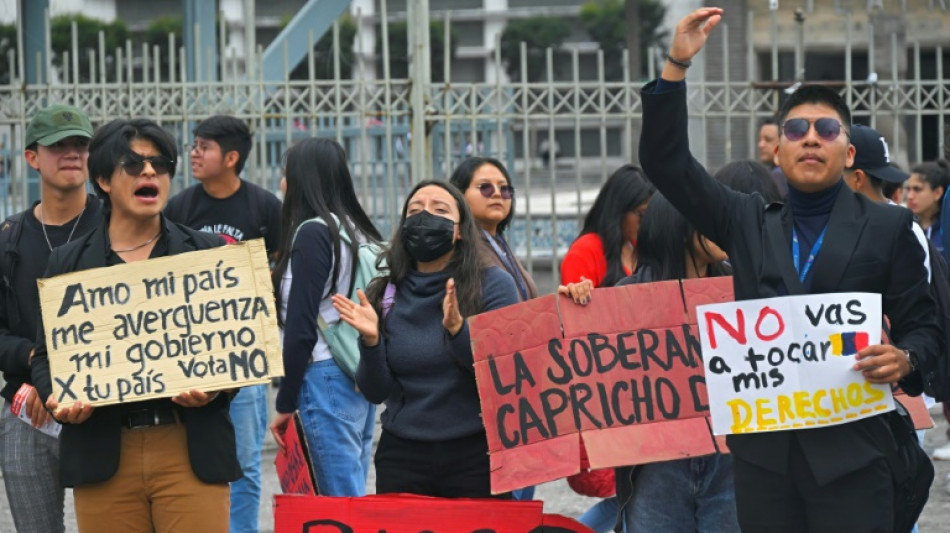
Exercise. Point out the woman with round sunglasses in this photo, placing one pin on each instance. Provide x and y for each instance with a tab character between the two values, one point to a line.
925	189
415	350
158	465
488	191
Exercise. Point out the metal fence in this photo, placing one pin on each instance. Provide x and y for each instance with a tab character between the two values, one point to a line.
594	120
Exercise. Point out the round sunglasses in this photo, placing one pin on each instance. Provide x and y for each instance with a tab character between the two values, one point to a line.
827	128
134	166
488	189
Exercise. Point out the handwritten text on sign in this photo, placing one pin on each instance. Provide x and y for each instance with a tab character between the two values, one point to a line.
623	373
786	363
200	320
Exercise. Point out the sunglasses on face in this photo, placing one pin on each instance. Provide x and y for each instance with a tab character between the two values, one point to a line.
827	128
134	166
488	189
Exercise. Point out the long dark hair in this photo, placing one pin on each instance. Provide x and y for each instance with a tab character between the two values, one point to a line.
665	242
465	266
626	189
463	174
319	185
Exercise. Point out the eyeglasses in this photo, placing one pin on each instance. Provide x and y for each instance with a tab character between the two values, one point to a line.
134	166
488	189
827	128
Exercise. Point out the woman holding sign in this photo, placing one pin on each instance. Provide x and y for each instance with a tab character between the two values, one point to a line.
155	465
693	494
322	227
415	348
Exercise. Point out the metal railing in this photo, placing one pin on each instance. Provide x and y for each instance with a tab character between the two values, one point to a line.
595	121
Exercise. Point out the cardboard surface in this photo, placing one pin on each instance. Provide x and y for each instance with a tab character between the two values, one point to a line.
624	373
151	329
293	464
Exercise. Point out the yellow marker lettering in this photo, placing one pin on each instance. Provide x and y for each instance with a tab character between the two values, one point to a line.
785	408
838	402
761	409
802	404
855	396
816	401
874	394
741	415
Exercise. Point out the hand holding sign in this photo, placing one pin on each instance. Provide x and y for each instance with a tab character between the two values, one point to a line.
883	363
579	292
362	317
77	414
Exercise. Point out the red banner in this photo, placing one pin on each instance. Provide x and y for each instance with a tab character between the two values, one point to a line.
405	513
294	468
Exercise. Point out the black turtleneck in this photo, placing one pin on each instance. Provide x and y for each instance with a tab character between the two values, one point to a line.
810	215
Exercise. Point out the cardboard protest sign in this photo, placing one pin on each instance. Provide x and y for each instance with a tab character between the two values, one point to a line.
786	363
624	373
406	513
200	320
294	468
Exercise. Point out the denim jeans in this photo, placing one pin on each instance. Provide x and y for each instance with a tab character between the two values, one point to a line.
338	422
695	494
249	416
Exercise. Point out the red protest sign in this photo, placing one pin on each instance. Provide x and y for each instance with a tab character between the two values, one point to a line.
406	513
624	373
294	468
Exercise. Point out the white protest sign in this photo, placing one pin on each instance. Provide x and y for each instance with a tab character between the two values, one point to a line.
786	363
152	329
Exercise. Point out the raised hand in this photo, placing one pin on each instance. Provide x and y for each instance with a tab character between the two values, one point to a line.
362	317
451	317
689	37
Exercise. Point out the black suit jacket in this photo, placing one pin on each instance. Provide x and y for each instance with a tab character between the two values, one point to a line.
89	452
868	247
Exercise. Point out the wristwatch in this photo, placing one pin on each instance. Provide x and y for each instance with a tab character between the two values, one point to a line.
912	360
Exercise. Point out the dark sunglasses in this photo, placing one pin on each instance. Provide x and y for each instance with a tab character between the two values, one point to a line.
134	166
488	189
827	129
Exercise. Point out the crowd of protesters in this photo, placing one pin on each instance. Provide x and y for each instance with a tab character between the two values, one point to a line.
192	462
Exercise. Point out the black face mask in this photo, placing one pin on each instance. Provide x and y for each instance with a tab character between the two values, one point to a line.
428	237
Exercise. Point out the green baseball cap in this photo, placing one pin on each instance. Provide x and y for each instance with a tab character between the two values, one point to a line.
57	122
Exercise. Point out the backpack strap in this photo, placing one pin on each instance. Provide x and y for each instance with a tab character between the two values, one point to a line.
389	298
10	232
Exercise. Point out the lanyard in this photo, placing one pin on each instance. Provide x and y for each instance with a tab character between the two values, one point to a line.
803	271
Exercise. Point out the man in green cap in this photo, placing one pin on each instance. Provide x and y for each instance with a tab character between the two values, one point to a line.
57	146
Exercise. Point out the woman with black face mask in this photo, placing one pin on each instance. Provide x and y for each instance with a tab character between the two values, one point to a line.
415	350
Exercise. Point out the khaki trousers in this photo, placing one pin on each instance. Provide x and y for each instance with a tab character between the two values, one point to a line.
154	489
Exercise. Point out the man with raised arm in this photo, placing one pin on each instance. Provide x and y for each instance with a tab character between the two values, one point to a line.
828	239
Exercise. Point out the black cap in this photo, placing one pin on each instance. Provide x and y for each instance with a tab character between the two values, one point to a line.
872	155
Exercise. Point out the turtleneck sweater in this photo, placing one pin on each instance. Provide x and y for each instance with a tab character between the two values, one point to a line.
426	376
810	215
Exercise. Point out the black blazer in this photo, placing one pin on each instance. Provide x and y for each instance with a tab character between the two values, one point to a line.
89	452
868	247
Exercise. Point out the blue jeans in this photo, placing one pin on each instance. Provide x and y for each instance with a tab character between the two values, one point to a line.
338	422
249	416
523	495
695	494
602	516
